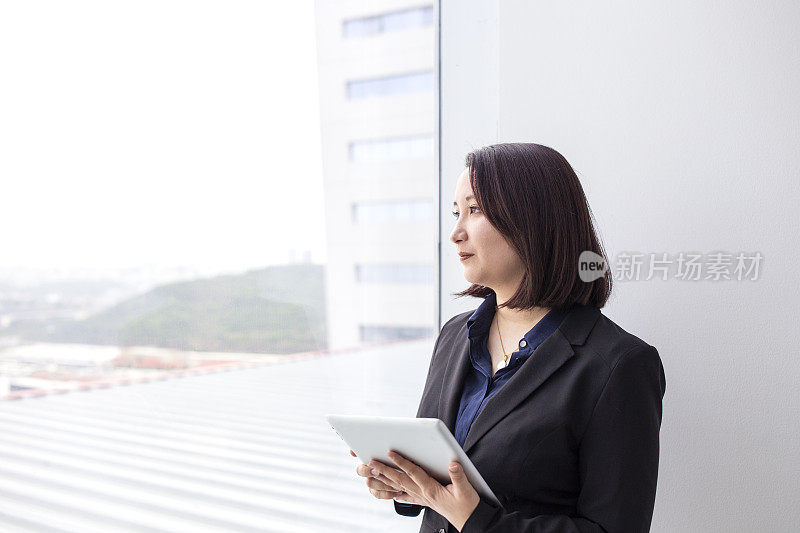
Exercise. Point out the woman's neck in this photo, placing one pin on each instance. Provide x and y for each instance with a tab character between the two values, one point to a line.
519	317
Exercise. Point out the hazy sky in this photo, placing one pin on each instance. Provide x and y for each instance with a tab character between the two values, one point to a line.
174	132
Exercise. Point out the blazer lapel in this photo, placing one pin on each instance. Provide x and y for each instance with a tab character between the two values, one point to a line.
456	372
546	359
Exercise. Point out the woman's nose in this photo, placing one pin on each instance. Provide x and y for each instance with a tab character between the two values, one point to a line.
457	234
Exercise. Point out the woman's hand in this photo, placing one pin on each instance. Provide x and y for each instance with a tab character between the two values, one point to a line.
379	486
455	502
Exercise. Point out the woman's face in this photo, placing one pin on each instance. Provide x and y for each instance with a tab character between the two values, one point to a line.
494	262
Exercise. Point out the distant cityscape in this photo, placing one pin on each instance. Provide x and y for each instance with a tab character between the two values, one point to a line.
53	322
378	104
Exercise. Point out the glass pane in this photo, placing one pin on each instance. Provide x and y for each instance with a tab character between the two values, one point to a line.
412	18
393	211
362	27
419	17
391	85
390	333
206	247
385	150
394	273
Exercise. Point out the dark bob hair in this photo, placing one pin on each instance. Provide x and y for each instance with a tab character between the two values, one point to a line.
532	196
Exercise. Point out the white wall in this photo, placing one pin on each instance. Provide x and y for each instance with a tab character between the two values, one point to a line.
682	122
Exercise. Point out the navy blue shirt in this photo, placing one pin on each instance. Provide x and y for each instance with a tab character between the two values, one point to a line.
479	384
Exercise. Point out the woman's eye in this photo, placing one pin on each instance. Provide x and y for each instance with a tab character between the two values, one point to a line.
455	213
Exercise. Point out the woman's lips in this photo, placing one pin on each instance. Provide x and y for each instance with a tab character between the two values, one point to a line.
465	257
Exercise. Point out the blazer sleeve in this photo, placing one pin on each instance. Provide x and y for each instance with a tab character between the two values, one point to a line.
618	459
412	509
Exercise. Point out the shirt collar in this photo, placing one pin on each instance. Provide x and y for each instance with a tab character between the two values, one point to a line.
544	328
480	321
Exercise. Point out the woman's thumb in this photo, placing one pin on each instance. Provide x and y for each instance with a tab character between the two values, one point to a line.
457	475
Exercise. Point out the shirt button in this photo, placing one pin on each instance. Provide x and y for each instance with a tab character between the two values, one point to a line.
523	343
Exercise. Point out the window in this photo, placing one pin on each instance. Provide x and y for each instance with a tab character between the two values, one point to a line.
393	211
417	17
394	273
390	85
184	326
389	333
395	149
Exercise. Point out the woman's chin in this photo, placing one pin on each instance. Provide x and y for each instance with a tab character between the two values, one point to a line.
470	276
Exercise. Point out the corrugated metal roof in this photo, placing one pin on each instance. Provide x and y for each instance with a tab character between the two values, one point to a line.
243	449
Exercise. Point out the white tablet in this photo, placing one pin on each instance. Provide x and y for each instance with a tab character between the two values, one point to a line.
425	441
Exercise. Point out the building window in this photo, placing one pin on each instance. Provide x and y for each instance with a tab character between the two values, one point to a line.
393	211
390	333
417	17
390	85
399	148
394	273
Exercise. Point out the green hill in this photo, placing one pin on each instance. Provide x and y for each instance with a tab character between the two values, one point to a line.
279	309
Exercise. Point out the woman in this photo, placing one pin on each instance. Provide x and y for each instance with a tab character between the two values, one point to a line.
557	406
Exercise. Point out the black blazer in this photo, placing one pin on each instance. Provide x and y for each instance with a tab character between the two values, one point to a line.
570	443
